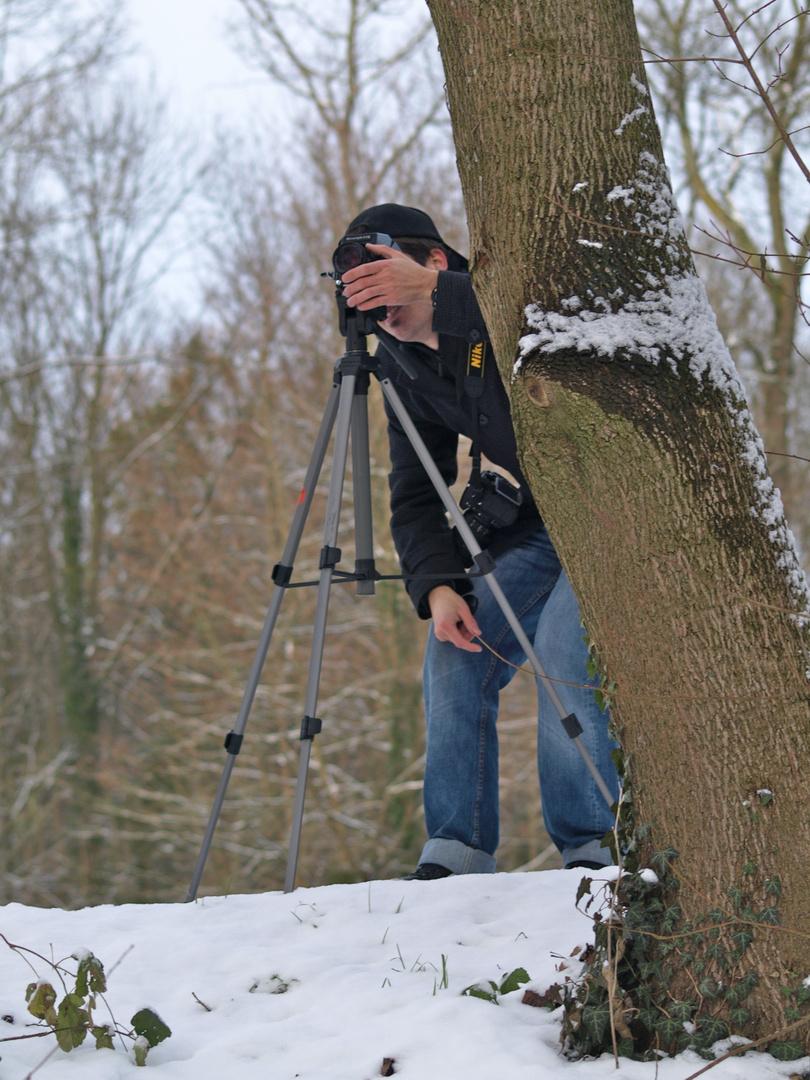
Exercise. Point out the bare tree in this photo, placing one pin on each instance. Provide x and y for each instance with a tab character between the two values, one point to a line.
733	89
86	196
367	93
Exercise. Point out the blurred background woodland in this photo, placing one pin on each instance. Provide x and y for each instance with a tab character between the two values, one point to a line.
151	456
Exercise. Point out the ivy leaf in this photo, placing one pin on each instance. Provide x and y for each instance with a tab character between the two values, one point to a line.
707	988
746	985
717	952
736	896
786	1051
682	1010
141	1048
584	888
669	1027
596	1020
148	1024
514	980
650	969
41	998
103	1036
742	937
626	1048
72	1022
712	1028
740	1017
487	991
90	975
672	916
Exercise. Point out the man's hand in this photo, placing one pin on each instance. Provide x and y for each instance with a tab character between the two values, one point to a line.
452	619
393	281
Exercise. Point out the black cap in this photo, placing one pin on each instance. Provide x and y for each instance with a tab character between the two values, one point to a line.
404	221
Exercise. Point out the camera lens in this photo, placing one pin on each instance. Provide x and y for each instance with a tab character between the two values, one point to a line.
348	256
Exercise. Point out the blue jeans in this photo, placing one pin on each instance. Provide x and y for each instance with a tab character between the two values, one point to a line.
461	691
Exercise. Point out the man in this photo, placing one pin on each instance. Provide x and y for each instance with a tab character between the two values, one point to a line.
430	305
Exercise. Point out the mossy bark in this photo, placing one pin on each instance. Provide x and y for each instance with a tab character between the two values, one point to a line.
640	469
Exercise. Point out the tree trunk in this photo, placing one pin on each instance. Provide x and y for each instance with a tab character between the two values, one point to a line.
642	456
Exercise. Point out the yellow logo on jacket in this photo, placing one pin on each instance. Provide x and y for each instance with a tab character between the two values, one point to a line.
475	360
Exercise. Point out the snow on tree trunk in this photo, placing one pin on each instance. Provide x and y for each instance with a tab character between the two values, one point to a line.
641	451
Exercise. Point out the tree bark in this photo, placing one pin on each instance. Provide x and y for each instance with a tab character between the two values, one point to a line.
640	451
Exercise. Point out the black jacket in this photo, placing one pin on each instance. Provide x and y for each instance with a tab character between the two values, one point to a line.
441	407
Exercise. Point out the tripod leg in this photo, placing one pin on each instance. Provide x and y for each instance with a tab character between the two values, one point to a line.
486	565
361	482
281	575
330	556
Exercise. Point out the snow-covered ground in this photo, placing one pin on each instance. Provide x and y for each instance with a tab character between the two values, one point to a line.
361	968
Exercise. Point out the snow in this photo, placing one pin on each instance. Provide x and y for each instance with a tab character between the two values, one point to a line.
326	983
636	114
673	323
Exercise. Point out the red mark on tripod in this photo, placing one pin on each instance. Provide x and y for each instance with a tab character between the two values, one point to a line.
302	496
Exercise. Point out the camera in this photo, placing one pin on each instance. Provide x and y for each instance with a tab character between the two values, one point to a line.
488	506
351	252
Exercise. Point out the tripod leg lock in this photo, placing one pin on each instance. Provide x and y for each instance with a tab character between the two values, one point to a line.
281	574
310	727
365	570
330	557
233	742
484	562
572	726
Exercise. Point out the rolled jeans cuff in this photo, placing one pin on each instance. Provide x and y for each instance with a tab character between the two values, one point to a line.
457	857
590	852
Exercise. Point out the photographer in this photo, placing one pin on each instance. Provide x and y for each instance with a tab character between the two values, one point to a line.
430	305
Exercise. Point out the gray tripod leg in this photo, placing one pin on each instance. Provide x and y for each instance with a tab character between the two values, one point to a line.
330	556
361	484
282	573
486	565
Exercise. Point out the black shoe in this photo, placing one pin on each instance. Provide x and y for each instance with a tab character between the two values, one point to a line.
427	871
585	864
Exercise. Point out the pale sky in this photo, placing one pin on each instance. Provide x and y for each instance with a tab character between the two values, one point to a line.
184	44
187	45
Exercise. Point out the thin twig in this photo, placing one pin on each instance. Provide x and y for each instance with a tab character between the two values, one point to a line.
761	90
751	1046
44	1061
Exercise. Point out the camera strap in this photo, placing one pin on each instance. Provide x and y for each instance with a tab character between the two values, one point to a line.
474	389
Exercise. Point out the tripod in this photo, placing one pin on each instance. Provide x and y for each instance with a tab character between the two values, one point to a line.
347	412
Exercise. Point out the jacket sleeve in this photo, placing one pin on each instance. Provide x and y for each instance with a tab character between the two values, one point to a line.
457	313
419	525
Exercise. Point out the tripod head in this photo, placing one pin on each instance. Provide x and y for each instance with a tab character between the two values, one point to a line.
355	325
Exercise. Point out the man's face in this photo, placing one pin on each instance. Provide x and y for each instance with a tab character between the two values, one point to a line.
403	286
414	321
409	322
